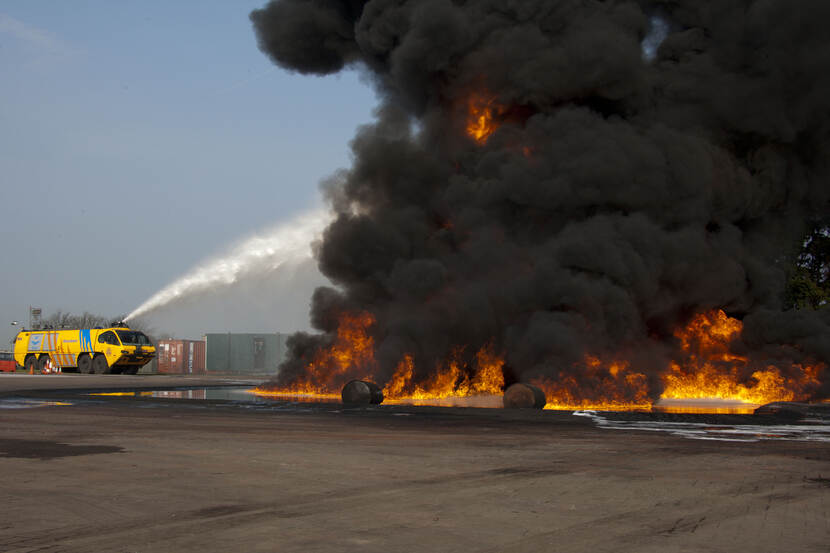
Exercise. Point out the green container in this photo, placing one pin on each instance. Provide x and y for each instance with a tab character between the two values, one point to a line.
244	353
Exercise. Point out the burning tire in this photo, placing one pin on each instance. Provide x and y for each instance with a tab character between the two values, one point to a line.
362	392
524	396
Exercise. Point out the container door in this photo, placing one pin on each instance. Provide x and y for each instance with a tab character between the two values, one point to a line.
259	353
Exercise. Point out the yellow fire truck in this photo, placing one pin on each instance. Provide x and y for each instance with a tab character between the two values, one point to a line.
113	350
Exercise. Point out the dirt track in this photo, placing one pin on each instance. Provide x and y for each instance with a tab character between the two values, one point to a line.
130	475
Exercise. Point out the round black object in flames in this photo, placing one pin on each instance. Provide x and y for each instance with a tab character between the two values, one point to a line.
362	392
524	396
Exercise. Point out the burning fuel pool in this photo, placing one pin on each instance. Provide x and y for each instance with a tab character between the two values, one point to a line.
252	395
700	419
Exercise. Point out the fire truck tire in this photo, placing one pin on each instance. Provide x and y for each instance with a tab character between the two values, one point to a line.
30	364
41	362
84	364
99	365
130	370
115	369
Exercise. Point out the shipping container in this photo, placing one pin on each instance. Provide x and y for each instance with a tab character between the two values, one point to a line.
7	362
248	353
181	356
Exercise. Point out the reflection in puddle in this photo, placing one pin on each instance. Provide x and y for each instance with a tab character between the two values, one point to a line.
704	406
686	406
267	395
806	431
488	401
254	395
227	393
128	394
19	403
485	401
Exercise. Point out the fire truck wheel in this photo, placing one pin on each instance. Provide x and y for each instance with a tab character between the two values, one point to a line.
30	364
41	363
99	365
130	370
116	369
84	364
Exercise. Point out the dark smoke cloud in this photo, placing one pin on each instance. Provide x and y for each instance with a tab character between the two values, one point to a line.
621	194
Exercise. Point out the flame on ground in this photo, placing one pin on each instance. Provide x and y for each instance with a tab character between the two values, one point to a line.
616	387
706	367
350	356
712	370
450	381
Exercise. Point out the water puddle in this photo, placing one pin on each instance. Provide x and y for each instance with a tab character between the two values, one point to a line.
704	406
240	394
252	395
666	416
804	431
21	403
246	394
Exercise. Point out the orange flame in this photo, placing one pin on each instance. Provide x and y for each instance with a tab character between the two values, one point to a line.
449	381
712	370
351	355
615	387
481	113
706	367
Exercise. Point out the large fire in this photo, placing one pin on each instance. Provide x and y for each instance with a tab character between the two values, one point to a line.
706	367
712	370
616	387
351	355
449	381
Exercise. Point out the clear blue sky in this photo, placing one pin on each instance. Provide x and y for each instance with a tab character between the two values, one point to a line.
140	137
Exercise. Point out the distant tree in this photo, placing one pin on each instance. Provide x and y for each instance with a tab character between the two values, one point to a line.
59	320
809	284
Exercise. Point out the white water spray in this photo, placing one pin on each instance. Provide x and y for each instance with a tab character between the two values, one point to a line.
284	246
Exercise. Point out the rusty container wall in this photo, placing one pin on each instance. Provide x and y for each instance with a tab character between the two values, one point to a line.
170	356
181	356
195	357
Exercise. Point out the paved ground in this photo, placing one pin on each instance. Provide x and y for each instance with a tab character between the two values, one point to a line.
134	475
15	383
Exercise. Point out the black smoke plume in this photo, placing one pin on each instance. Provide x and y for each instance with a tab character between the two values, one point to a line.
624	191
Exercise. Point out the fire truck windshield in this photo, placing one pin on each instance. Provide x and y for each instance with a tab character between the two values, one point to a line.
133	338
